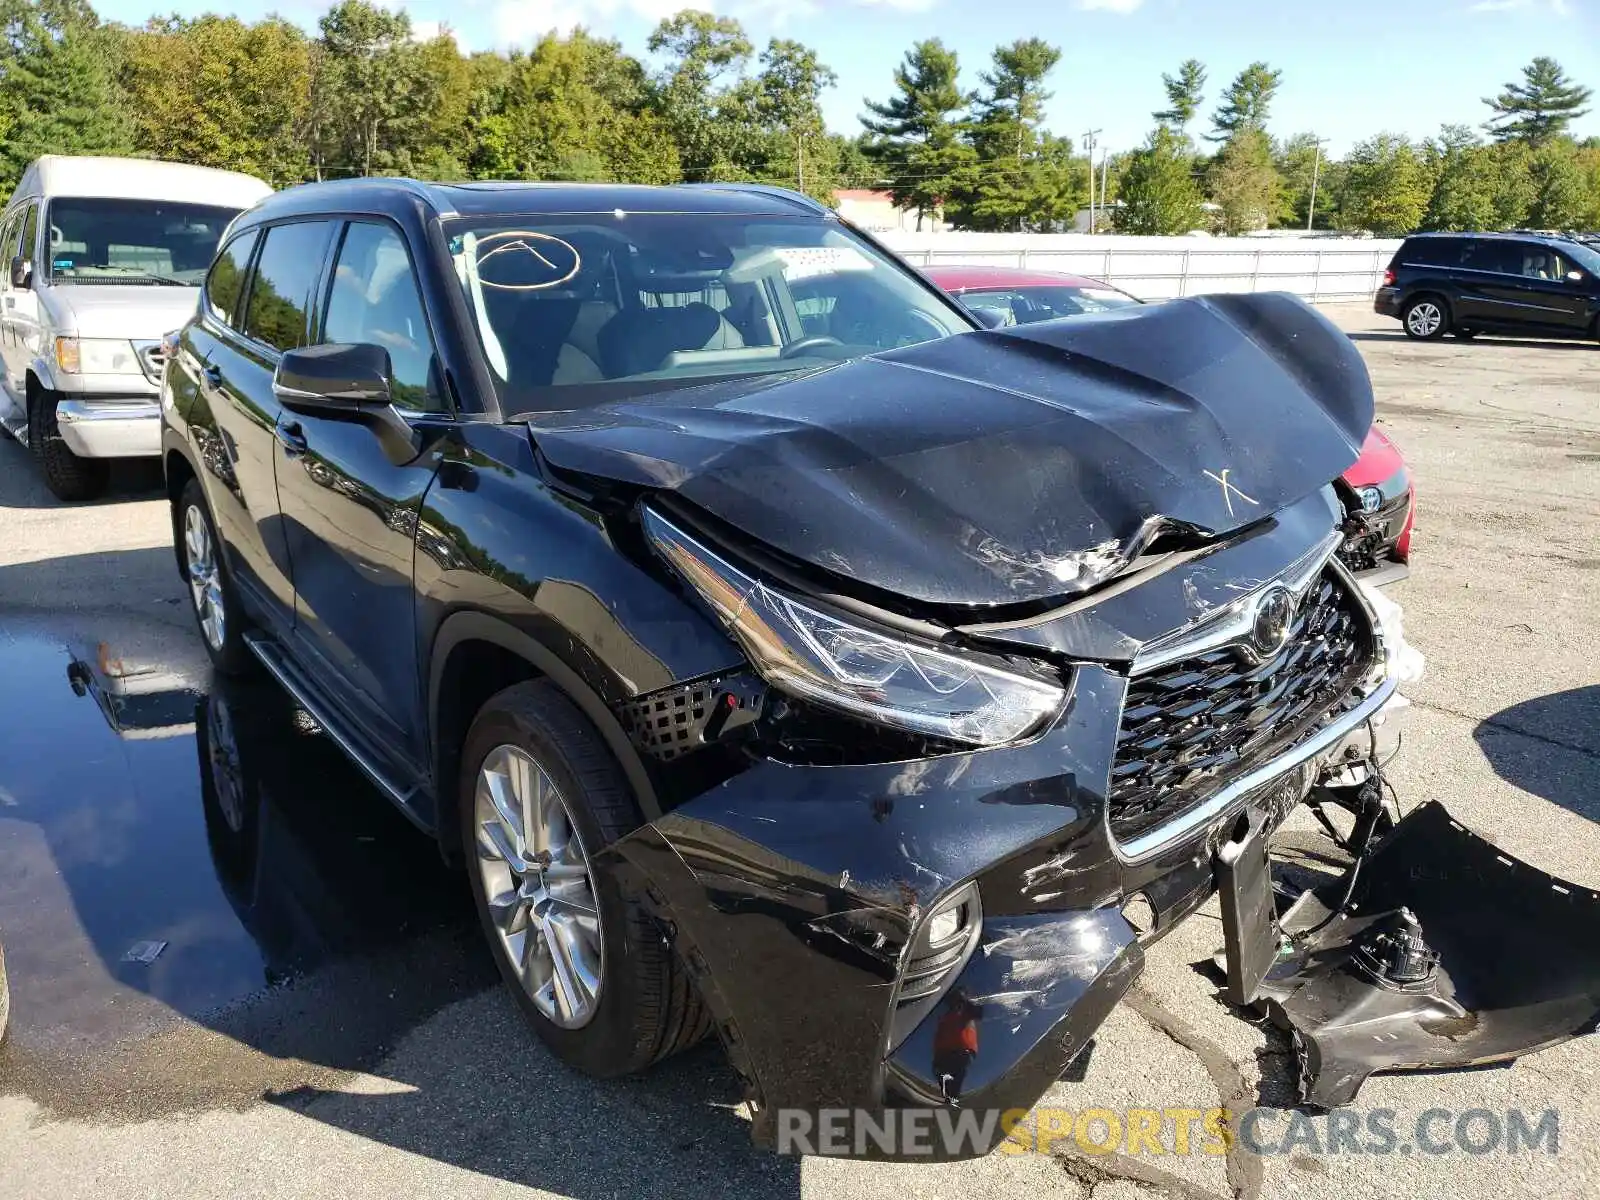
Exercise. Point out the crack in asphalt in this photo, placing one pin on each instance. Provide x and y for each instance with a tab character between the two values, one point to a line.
1244	1170
1506	727
1092	1172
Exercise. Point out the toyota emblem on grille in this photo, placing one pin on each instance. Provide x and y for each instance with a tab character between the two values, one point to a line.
1274	615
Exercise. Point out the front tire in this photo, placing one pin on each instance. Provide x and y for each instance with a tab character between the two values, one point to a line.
540	796
211	594
1426	319
68	476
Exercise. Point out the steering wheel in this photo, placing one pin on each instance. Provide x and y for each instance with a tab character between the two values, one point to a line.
815	342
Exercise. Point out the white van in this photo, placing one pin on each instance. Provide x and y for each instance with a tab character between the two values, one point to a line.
102	257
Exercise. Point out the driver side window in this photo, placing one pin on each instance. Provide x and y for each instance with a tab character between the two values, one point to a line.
374	299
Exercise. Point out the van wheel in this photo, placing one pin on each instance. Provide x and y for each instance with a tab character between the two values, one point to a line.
540	797
1425	318
66	475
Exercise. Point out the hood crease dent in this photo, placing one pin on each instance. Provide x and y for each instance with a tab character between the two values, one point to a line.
1003	467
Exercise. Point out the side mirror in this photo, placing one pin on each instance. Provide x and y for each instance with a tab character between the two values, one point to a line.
350	382
323	381
21	272
1577	277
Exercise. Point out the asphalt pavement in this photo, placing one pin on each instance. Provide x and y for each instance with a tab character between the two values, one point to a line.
237	972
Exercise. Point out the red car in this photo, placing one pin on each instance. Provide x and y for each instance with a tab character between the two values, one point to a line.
1379	493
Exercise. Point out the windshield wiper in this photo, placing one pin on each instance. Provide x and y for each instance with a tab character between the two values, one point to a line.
88	274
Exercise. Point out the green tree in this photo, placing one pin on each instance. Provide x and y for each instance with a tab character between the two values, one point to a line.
370	84
1466	177
1157	189
1304	168
788	102
1023	177
1514	192
579	108
57	94
1387	186
1542	106
439	141
705	58
1011	109
1185	93
220	93
915	135
1245	184
1247	103
1560	200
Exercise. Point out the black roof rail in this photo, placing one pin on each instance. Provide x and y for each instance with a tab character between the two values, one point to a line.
798	199
422	191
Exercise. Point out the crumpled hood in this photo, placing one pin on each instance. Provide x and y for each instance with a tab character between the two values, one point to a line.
1008	466
138	313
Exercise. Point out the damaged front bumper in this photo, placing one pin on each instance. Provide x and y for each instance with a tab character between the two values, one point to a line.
1448	953
805	900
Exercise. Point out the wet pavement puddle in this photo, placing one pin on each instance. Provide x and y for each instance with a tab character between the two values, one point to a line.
191	873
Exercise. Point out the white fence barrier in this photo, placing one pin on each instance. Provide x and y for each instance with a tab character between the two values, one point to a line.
1158	268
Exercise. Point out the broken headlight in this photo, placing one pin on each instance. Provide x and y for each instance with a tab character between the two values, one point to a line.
885	678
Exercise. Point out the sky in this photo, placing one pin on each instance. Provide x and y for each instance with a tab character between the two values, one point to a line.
1351	68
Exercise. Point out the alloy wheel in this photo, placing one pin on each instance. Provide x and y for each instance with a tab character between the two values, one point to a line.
222	753
205	578
539	887
1424	318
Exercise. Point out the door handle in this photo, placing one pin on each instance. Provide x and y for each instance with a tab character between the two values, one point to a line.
292	436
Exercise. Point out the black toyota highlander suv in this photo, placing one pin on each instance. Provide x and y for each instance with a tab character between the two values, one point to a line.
781	653
1535	285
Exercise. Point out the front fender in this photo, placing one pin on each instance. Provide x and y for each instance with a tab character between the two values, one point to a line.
463	627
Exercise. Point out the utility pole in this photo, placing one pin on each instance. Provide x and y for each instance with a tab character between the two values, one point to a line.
1089	140
1105	179
1316	162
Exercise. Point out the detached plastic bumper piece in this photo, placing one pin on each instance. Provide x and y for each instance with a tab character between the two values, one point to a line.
1450	954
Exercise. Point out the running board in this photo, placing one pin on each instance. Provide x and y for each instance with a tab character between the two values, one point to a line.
295	683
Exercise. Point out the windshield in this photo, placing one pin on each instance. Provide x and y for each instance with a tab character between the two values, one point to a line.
1586	256
574	310
1045	302
133	241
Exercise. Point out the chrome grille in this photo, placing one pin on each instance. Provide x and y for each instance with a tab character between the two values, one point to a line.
152	358
1192	726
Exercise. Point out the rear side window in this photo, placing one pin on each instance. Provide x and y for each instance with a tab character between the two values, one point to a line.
286	271
1503	258
374	299
1432	252
225	283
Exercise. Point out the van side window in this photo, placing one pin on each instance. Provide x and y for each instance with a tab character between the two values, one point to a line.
30	234
1500	257
1433	252
1540	262
280	293
9	237
225	283
374	299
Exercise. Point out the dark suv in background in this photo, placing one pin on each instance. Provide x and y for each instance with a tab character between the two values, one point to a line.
1464	284
780	652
